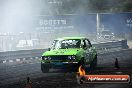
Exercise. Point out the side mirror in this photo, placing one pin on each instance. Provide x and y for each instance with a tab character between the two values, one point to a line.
48	49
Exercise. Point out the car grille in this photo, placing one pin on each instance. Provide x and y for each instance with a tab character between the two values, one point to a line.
59	57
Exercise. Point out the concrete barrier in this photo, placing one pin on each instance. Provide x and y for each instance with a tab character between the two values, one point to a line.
111	46
22	55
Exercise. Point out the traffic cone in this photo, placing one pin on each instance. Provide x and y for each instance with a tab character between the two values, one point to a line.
116	64
28	83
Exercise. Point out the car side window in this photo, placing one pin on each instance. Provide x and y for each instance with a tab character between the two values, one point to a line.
84	44
88	44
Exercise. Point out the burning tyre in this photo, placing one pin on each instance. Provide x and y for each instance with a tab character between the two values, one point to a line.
80	75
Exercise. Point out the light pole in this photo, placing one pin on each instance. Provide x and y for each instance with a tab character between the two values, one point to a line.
98	25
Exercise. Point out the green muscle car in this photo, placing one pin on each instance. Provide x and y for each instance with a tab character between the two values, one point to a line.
68	53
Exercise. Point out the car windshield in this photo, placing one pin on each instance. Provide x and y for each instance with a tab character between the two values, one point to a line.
64	44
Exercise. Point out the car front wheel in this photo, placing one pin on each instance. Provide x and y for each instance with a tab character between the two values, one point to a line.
44	68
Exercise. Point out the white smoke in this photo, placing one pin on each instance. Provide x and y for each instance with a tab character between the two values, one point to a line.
16	15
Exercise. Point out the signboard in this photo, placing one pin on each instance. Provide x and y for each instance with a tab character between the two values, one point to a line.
67	23
116	22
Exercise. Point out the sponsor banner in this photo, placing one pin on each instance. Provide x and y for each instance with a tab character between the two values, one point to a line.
115	22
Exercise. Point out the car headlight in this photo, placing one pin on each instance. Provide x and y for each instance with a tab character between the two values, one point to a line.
49	58
46	58
71	57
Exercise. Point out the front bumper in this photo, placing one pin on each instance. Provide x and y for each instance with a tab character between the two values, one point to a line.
65	66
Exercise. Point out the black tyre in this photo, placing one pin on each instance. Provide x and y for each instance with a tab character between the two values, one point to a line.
81	62
95	61
44	68
93	64
80	79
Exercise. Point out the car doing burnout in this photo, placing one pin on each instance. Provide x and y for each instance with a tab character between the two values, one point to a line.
69	53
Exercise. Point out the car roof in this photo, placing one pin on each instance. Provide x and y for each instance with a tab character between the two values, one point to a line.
65	38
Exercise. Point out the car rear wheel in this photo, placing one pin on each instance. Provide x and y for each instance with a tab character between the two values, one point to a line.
93	64
95	61
81	62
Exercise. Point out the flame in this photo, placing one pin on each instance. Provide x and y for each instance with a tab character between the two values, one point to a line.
81	71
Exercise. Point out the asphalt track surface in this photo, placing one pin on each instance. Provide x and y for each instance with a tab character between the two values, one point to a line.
14	76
